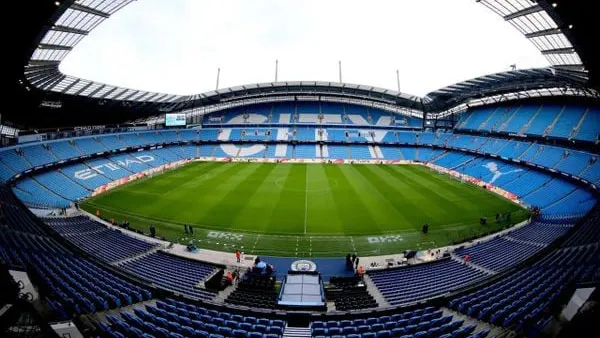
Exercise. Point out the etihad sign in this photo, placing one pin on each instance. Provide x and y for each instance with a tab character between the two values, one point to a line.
111	166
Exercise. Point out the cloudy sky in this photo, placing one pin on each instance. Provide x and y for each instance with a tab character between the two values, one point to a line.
176	46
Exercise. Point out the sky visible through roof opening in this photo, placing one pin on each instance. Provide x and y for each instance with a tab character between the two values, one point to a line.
176	46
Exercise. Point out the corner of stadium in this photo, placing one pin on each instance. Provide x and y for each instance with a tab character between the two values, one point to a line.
301	208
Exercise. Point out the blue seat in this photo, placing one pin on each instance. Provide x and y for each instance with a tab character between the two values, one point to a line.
333	331
363	328
411	328
275	330
397	332
225	331
200	334
210	328
420	334
383	334
251	320
332	323
259	328
377	327
237	333
277	322
317	324
163	332
424	326
187	331
231	324
263	321
198	325
318	331
433	332
345	323
348	330
271	335
389	326
245	326
218	321
367	335
384	319
255	335
216	335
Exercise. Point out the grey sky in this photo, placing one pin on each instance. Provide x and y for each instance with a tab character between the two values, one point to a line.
175	46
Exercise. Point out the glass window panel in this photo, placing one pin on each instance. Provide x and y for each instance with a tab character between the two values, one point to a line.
77	87
103	91
91	88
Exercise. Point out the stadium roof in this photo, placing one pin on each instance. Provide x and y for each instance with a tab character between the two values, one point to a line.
510	85
532	20
72	20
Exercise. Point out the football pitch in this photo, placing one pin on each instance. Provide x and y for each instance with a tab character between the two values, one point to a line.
306	210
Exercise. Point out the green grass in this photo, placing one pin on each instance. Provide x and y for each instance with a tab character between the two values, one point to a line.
306	210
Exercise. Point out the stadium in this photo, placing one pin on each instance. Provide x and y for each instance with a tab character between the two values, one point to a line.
302	208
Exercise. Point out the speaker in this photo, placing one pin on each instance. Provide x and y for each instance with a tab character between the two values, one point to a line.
483	220
425	228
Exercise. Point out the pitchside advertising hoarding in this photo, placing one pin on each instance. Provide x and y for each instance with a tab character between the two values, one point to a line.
174	120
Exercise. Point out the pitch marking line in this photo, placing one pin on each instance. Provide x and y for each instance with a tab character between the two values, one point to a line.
256	241
305	202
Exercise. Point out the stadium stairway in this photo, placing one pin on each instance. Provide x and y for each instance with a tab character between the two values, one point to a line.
528	124
548	129
507	121
296	332
374	291
494	331
222	295
508	238
74	181
130	258
474	266
575	129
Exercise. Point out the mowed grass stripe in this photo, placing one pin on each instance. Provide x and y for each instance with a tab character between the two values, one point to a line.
416	193
399	195
146	198
322	208
257	211
437	196
288	213
190	201
238	189
353	213
377	196
469	196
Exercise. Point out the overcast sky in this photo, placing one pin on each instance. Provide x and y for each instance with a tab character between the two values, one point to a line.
175	46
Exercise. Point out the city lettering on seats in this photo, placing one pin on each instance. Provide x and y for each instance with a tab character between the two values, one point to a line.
111	166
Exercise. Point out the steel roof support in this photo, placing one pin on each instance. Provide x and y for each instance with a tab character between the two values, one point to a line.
526	11
86	9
